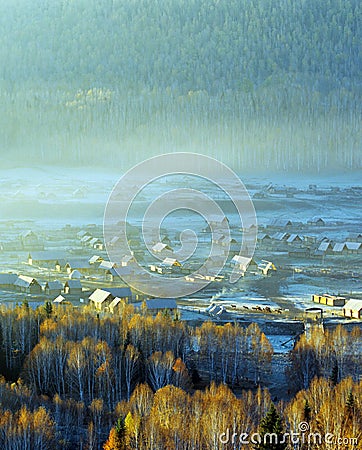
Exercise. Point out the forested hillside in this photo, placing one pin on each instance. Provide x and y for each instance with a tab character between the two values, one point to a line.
271	84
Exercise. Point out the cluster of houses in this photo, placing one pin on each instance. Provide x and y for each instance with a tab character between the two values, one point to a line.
30	285
104	299
77	268
87	240
26	240
351	308
282	237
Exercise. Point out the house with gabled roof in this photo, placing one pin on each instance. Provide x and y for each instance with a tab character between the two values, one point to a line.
325	247
353	309
295	239
82	233
280	236
316	221
161	247
354	237
100	299
86	239
27	284
116	305
107	265
82	265
7	280
339	248
127	260
266	267
166	305
353	247
281	223
240	262
95	259
73	287
96	243
53	287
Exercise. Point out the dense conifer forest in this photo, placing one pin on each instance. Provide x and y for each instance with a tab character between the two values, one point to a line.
264	84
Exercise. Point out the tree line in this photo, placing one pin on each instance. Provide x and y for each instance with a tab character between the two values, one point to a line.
139	376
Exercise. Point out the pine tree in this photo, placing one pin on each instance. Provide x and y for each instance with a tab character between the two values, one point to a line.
116	438
306	412
350	404
271	431
48	308
334	375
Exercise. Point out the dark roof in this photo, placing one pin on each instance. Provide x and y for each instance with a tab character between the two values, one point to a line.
74	284
53	285
47	256
161	303
79	264
119	292
8	278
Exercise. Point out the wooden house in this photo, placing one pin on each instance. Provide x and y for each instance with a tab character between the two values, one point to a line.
82	265
100	299
281	223
95	259
82	233
86	239
295	239
325	247
168	265
353	247
116	305
280	236
27	284
96	243
266	267
353	309
73	287
339	248
47	259
329	300
124	293
107	265
165	305
354	237
161	247
53	287
218	221
7	280
241	263
316	221
127	260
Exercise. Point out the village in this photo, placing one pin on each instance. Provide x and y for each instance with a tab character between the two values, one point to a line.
70	267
